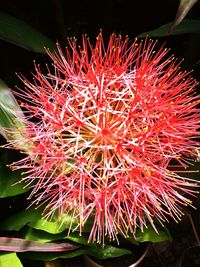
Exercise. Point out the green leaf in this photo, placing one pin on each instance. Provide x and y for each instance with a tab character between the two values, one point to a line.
33	217
92	249
54	226
20	33
97	250
9	259
10	184
38	235
8	119
19	220
150	235
81	239
50	256
48	226
185	27
30	233
106	252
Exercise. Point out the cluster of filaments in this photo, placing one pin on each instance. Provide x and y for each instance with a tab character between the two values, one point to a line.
107	129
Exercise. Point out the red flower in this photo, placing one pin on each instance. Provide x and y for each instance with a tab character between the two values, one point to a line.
105	131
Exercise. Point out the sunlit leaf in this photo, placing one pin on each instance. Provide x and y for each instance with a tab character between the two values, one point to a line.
38	235
77	238
185	27
150	235
183	9
20	33
9	260
52	227
33	217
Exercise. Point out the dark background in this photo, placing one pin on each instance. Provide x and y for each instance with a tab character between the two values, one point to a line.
59	19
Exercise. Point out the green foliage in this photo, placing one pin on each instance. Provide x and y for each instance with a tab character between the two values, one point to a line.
50	256
38	237
33	217
96	251
185	27
106	252
9	259
10	184
150	235
30	233
92	249
19	33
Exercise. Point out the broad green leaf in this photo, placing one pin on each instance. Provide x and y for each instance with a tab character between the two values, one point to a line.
9	260
185	27
33	217
8	119
183	9
81	239
42	236
23	245
19	220
92	249
38	235
10	184
106	252
97	250
48	226
150	235
20	33
50	256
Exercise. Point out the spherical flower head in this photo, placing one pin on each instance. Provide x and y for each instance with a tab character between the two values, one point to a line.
108	132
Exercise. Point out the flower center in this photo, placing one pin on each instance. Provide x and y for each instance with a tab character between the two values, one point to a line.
105	131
